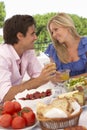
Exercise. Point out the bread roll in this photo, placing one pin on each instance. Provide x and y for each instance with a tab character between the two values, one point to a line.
61	103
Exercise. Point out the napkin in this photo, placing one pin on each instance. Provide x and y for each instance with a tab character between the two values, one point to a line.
55	113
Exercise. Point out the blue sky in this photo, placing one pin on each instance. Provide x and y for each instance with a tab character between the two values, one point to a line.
32	7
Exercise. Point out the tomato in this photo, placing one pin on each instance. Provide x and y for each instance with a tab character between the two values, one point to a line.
8	107
18	122
5	120
26	109
17	106
29	117
3	112
15	114
1	109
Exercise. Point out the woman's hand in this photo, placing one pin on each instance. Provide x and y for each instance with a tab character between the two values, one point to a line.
61	76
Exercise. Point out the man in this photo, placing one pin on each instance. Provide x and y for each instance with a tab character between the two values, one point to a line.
17	56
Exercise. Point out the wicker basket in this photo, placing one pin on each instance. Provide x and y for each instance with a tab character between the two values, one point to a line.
58	123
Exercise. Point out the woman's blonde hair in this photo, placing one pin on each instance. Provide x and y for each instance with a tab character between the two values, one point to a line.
66	21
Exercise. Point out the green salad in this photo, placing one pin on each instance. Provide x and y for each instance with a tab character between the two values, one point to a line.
76	83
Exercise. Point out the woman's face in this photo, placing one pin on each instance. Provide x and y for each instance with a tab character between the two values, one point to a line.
59	33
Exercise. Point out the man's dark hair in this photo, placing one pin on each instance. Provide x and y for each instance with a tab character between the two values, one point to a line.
15	24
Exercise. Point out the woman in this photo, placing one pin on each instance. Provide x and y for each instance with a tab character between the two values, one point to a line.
68	49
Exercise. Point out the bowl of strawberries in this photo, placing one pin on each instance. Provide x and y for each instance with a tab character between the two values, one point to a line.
32	97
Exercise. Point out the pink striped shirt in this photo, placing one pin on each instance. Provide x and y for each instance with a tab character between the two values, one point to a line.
9	67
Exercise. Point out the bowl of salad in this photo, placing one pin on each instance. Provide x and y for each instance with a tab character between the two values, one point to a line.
78	83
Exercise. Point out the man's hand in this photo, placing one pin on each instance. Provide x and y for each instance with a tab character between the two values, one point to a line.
48	72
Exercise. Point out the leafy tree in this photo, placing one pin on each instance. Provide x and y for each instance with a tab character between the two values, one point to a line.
42	21
84	26
2	14
77	22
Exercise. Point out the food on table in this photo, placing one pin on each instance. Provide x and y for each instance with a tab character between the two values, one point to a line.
12	115
61	106
18	122
79	83
62	103
37	94
10	107
59	114
78	96
5	120
28	115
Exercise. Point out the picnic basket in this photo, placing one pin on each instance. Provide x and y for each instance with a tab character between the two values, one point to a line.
58	123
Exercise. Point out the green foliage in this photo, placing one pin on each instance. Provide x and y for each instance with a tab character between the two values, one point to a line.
42	21
2	13
1	39
84	26
77	22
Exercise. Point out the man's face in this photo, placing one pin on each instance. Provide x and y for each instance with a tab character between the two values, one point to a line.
28	40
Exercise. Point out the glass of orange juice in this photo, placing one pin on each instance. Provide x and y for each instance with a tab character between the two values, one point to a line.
64	74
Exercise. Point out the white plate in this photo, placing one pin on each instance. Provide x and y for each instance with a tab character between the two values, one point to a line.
33	103
31	127
26	128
